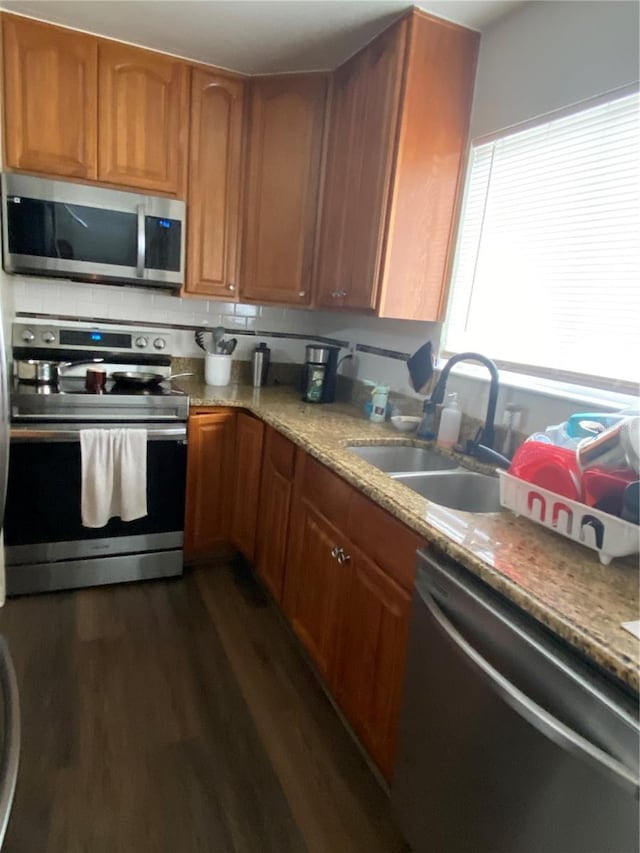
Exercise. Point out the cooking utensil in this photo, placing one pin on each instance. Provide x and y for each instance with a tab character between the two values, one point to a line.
142	379
199	336
218	335
616	447
420	367
42	372
227	347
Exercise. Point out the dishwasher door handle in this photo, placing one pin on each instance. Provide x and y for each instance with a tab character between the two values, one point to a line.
542	720
10	756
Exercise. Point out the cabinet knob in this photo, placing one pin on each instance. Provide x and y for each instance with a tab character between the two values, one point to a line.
302	293
343	557
334	552
231	287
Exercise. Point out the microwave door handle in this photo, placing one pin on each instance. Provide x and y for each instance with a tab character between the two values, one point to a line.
142	241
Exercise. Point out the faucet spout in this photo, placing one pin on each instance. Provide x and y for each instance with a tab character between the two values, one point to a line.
485	434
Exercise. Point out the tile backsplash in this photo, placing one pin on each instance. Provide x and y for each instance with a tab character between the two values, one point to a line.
399	338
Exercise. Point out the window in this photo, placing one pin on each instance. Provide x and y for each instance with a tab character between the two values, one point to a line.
546	277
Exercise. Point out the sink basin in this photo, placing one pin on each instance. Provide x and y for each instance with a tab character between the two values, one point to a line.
398	459
463	490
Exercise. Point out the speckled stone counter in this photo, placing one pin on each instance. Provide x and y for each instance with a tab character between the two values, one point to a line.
560	583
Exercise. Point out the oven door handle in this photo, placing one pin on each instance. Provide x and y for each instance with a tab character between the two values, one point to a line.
179	433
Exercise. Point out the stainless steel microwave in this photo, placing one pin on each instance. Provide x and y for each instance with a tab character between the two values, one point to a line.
87	233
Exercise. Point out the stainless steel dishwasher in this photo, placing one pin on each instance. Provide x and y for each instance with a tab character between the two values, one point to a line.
509	742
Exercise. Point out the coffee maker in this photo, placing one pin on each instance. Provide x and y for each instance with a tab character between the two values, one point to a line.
319	374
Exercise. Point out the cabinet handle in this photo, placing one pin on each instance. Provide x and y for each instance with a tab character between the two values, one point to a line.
343	558
334	552
338	294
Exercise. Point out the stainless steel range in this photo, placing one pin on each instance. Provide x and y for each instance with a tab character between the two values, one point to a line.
47	547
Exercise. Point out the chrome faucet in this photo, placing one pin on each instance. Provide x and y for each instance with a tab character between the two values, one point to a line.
482	445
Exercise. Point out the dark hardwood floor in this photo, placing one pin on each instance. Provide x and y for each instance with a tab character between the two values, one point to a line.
180	716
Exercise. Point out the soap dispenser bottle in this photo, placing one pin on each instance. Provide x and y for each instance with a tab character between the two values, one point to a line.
449	422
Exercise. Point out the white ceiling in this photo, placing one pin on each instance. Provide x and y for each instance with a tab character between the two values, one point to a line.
252	36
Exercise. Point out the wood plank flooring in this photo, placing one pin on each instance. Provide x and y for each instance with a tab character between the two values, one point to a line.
180	716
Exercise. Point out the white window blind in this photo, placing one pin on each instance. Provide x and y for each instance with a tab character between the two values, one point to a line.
547	267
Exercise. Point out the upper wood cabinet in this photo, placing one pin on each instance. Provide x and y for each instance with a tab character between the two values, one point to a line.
143	118
398	128
364	112
210	478
247	470
283	177
215	166
50	89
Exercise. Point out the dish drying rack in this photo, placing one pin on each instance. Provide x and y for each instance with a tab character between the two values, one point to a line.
608	535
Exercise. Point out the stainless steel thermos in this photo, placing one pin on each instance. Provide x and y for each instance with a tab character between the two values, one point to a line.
260	365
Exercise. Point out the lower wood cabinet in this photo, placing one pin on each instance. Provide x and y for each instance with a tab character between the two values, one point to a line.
349	610
371	655
276	487
315	586
340	566
210	478
247	467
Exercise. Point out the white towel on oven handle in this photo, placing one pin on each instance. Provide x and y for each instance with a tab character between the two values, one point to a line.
114	475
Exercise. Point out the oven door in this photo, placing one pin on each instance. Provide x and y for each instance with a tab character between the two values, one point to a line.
47	546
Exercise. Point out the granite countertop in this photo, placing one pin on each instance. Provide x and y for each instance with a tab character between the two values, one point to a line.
559	582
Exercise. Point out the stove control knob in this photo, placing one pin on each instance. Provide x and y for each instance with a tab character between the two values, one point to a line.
28	336
142	342
48	337
159	343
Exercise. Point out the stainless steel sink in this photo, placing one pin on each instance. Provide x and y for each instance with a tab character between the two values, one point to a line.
464	490
398	459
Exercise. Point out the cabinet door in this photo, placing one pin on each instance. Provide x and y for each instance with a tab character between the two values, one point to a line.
50	99
342	179
285	141
371	657
364	117
209	482
314	586
276	489
217	104
247	469
143	118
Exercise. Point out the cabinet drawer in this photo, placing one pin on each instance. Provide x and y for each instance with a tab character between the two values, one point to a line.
384	539
281	453
324	490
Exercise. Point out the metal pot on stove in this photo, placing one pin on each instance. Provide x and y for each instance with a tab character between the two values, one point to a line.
42	372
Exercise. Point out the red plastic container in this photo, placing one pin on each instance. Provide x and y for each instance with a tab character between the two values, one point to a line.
548	466
605	489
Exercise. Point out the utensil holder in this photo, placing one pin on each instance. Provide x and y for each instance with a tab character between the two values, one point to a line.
217	369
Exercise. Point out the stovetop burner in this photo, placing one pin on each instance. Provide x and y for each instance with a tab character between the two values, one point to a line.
69	399
76	385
